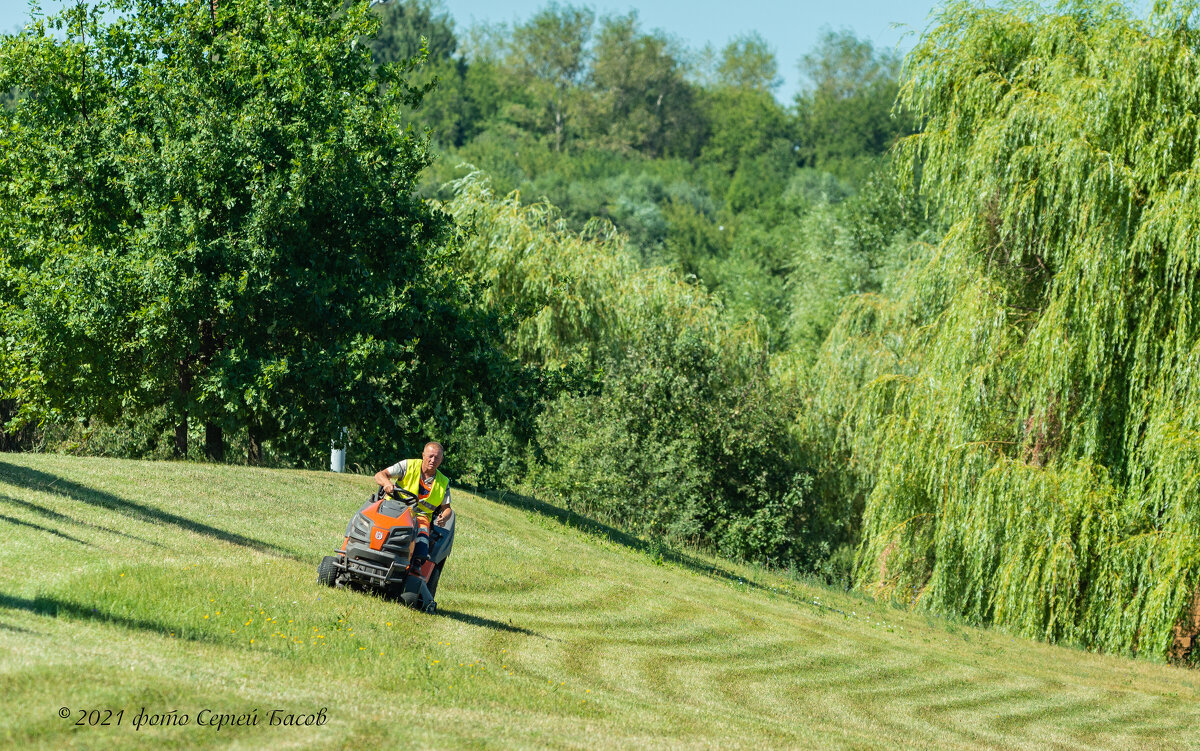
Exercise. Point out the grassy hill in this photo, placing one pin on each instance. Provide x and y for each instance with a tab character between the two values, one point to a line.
166	586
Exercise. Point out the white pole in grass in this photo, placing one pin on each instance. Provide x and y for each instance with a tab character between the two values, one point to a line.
337	456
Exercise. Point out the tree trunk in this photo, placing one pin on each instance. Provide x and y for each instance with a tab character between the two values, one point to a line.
17	440
181	427
181	431
214	439
214	442
254	449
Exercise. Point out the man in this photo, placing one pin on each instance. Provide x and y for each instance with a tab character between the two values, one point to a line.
421	478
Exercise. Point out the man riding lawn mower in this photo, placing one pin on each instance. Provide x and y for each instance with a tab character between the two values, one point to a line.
399	541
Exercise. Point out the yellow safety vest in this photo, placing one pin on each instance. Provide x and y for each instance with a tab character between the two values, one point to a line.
412	483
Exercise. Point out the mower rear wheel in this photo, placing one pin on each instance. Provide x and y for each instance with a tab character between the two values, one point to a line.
327	571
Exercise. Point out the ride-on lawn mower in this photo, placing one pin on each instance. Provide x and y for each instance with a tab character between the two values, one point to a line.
375	553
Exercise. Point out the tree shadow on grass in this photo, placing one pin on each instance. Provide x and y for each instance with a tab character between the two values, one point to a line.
656	549
33	479
478	620
64	519
40	528
57	608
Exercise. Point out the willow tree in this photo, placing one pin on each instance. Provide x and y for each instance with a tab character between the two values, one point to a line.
578	296
649	373
1025	407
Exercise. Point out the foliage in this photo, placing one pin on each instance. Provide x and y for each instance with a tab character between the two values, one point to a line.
570	83
844	244
642	100
845	115
244	214
681	406
690	426
744	123
1029	406
411	29
579	297
421	29
549	53
211	210
747	63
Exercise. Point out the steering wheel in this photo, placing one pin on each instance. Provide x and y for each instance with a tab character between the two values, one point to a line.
400	494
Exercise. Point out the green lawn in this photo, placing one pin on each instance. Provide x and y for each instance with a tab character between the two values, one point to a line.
170	586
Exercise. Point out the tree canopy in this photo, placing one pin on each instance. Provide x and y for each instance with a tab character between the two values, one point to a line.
210	209
1023	405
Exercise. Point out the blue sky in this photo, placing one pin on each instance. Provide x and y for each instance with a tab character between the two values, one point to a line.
792	28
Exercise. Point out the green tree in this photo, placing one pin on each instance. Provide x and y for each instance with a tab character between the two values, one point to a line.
749	63
210	207
641	99
679	395
466	94
413	28
549	53
1023	404
845	116
744	124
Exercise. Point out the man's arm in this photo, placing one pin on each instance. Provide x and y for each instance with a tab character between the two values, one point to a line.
385	480
442	512
384	476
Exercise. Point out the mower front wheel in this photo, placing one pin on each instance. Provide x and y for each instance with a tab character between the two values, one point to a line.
327	571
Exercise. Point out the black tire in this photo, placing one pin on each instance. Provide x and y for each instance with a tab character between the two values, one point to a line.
327	571
433	579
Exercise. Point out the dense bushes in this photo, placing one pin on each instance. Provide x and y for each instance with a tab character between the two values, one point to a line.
668	417
686	437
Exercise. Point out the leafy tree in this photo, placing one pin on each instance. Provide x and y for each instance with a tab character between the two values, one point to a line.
549	52
412	28
422	29
581	296
660	382
1022	405
745	124
210	207
845	113
748	63
642	100
694	423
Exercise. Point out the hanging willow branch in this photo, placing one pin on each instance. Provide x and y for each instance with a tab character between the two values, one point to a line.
1046	389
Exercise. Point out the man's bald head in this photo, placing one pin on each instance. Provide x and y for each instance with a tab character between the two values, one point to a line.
431	458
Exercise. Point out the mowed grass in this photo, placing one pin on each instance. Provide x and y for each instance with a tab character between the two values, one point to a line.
173	586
